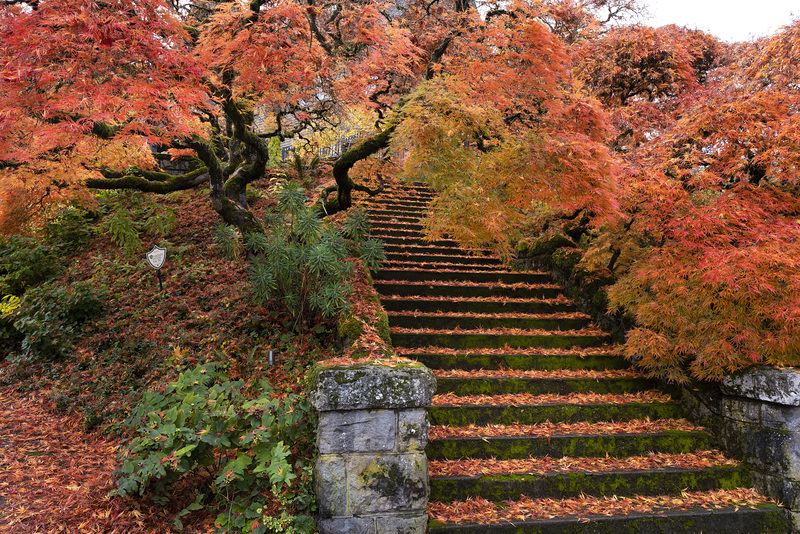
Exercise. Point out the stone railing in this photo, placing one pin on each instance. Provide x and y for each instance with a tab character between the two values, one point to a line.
371	476
756	415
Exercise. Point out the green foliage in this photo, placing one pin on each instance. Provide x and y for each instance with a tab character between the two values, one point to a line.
51	316
123	231
205	427
25	262
9	336
228	241
302	263
134	214
70	229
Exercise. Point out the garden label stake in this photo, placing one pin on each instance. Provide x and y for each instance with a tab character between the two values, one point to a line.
156	259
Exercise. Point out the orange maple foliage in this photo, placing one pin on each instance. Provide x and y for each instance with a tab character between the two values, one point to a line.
713	277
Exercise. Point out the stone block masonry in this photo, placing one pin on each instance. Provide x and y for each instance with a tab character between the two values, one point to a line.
371	476
756	415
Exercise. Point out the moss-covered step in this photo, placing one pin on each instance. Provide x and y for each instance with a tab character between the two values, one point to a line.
398	211
477	306
395	218
453	290
765	519
546	362
405	264
398	202
471	322
574	446
442	258
447	275
495	340
429	249
417	241
396	227
481	415
540	386
574	484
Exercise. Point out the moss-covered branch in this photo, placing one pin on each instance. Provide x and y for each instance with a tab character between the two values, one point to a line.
152	182
341	169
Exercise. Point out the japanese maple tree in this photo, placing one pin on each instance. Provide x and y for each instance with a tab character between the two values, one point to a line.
87	84
717	286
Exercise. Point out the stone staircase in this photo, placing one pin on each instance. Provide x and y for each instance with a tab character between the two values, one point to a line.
538	425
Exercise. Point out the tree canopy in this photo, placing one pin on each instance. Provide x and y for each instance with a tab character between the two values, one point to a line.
677	153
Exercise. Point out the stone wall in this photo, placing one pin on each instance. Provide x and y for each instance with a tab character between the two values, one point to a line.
372	473
756	416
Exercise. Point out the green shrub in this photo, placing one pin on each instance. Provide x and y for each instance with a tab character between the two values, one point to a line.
228	241
302	263
10	337
134	214
70	229
51	316
203	426
25	262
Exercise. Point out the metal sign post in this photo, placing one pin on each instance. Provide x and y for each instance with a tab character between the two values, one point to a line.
156	258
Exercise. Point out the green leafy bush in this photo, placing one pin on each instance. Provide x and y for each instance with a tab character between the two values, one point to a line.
134	214
204	426
71	228
25	262
228	241
302	263
9	336
51	316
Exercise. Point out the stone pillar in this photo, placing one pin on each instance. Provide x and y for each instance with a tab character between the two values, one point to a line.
756	415
371	476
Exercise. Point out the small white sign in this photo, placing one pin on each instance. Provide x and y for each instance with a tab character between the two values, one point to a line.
156	257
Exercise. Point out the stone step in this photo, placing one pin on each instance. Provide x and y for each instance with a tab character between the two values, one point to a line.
440	258
399	226
540	386
471	361
401	211
433	250
410	265
381	203
481	415
431	275
488	321
455	290
391	304
490	339
574	446
415	241
765	519
668	481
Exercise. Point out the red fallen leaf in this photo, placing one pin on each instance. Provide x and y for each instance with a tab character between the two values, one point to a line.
491	466
589	331
462	283
520	399
548	429
557	315
560	299
537	373
610	350
482	511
